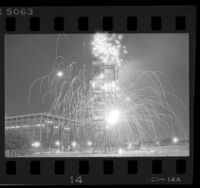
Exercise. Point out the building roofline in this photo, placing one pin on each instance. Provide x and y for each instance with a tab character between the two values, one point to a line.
33	114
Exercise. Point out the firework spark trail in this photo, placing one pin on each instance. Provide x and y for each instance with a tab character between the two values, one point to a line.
66	92
156	106
145	109
146	116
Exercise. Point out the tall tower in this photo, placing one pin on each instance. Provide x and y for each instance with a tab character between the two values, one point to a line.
104	84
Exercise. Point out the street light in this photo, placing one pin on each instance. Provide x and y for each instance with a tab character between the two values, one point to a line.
74	144
120	151
175	140
36	144
57	143
59	74
89	143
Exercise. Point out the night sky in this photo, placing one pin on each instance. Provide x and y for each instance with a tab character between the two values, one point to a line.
30	56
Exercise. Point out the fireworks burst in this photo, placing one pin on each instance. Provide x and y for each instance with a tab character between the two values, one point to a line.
108	49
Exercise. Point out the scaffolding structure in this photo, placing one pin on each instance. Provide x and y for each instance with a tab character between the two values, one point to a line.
103	89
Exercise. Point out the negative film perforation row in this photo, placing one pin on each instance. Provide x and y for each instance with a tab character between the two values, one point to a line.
83	22
84	167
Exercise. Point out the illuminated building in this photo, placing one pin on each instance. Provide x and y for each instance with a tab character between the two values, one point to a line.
40	127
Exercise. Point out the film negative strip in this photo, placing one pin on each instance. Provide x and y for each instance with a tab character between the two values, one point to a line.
97	95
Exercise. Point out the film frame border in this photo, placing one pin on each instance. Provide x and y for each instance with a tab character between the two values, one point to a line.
144	16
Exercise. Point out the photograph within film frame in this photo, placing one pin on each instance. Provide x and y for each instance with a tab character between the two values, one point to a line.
95	96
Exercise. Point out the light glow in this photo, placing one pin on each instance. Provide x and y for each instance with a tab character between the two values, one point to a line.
59	74
101	76
107	127
47	121
36	144
129	146
112	117
175	140
57	143
89	143
120	151
74	144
